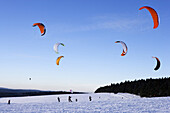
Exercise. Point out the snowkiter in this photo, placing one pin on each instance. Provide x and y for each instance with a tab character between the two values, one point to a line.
58	99
90	98
69	99
9	101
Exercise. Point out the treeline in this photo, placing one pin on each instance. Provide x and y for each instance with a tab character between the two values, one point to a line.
144	88
19	93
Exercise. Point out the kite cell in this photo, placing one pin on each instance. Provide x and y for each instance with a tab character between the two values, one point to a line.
41	27
124	47
153	14
58	59
158	63
56	46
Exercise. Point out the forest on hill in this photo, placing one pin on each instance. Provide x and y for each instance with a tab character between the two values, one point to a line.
5	92
144	87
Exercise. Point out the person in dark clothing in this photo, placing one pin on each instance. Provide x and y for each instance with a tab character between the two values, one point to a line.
9	101
69	99
76	100
90	98
58	99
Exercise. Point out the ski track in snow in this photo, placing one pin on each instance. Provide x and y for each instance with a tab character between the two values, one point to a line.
101	102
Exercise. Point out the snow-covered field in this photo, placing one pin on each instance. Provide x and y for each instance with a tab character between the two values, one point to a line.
102	102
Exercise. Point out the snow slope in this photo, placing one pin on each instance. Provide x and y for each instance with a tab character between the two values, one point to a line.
101	102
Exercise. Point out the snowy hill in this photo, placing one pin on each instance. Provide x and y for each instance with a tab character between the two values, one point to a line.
101	102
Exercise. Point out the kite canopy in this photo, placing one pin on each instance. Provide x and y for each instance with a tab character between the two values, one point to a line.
58	59
153	14
41	27
124	47
56	46
158	63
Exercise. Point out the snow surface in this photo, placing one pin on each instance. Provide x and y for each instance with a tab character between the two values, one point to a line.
101	102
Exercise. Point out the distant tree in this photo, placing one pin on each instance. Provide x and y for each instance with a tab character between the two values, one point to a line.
144	88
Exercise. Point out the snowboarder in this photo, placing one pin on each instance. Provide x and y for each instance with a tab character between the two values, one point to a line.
69	99
58	99
76	100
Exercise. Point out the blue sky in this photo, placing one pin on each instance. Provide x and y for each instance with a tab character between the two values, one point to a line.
88	28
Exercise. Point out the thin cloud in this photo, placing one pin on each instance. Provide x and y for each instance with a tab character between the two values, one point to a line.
107	23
